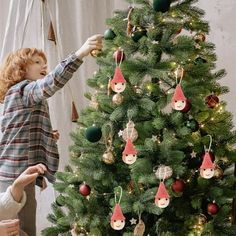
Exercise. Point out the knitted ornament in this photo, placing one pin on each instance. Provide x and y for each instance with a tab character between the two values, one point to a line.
179	101
162	198
130	153
163	172
118	83
207	168
117	218
130	132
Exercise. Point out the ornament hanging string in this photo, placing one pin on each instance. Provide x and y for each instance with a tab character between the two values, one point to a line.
129	114
121	59
119	197
109	137
109	86
209	148
131	133
181	75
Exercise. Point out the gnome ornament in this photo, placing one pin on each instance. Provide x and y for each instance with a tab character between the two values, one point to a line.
179	101
162	198
117	218
130	153
118	83
207	169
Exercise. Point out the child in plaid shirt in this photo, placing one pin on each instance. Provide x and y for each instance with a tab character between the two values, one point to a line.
28	138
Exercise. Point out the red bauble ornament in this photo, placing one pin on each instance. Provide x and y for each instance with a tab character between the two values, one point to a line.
212	208
187	107
212	100
178	186
119	55
84	189
212	156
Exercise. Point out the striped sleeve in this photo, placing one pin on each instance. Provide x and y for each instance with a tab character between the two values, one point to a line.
36	91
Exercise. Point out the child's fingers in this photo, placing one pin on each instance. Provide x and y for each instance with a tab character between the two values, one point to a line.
96	37
40	169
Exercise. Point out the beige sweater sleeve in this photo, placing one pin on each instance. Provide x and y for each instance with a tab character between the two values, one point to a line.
9	208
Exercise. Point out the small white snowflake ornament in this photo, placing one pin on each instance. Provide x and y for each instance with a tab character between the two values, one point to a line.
162	198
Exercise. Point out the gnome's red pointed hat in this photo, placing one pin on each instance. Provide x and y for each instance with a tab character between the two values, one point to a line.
117	213
178	94
118	76
162	192
207	162
129	148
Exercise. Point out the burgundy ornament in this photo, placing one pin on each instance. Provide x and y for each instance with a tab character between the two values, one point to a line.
212	100
119	55
84	189
178	186
212	208
187	107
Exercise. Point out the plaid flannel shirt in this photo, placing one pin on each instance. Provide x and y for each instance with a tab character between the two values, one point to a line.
27	132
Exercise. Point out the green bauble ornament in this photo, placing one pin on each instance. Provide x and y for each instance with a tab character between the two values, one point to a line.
161	5
95	232
93	134
60	200
199	61
109	34
137	33
193	125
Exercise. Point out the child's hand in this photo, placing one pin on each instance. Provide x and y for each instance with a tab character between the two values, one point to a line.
92	43
55	134
26	177
29	175
9	228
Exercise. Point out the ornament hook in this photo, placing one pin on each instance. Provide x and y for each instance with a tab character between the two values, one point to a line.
119	197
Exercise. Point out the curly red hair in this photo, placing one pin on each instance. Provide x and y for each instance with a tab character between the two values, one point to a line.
14	68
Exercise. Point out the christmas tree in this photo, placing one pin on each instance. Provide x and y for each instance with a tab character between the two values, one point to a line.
153	151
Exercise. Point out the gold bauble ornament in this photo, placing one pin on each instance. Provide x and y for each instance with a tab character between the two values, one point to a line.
117	99
200	219
95	52
108	157
139	228
78	230
218	172
200	37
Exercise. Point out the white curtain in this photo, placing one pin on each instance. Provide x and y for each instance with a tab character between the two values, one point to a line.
25	23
